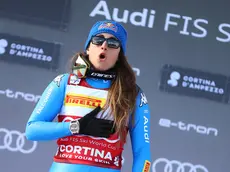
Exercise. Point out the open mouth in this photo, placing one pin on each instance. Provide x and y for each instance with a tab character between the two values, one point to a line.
102	56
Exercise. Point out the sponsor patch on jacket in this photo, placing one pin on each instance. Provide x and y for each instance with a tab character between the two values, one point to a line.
84	100
146	166
73	80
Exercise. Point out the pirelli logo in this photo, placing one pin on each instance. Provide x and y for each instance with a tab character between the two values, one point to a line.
84	101
146	166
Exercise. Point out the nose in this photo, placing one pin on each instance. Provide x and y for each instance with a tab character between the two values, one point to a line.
104	46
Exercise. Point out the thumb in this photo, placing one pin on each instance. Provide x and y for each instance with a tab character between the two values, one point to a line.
94	112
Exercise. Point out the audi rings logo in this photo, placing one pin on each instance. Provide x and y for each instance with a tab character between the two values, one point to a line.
15	141
176	166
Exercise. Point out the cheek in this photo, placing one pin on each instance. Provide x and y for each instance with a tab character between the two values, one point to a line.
92	53
114	57
92	58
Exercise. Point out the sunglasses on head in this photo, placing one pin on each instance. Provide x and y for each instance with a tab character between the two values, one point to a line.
111	42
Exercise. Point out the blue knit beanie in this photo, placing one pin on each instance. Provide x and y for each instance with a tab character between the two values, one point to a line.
110	27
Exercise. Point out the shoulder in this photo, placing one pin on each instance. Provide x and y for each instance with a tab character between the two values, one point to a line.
141	98
61	79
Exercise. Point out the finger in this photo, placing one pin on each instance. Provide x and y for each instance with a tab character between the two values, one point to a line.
106	128
110	130
94	112
106	124
113	130
105	135
100	134
104	121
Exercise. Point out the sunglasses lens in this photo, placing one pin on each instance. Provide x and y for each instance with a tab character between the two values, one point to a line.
98	40
113	43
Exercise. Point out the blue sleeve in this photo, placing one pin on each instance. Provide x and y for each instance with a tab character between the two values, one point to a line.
40	126
139	129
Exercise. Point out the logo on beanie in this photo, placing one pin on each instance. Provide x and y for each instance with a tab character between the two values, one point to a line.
110	26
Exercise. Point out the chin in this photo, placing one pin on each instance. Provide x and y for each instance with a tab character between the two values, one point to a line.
101	68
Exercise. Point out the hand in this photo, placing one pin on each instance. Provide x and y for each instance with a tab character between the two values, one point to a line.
90	125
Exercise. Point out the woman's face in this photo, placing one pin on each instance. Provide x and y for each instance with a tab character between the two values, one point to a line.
102	55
